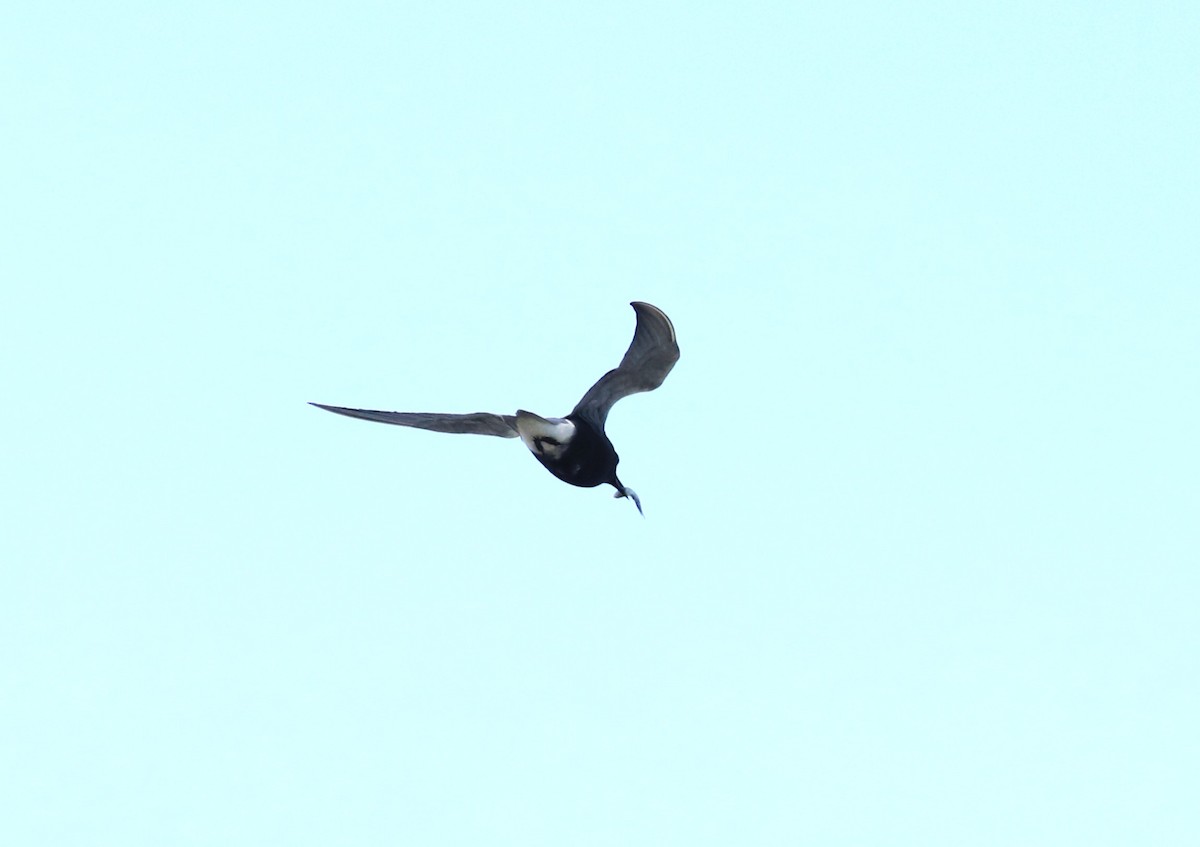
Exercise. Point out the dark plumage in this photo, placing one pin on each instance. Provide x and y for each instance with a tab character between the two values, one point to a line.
575	448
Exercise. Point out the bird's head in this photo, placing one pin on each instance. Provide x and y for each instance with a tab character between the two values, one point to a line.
622	491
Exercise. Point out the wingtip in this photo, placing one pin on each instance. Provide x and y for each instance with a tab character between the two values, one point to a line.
642	305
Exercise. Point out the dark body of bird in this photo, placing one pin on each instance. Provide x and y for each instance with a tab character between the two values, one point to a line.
574	448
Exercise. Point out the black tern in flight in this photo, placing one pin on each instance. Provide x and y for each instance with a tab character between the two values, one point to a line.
575	448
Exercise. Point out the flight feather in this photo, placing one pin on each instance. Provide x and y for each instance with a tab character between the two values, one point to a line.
650	357
475	423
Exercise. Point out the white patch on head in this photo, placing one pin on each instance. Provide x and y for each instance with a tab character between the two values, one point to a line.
544	436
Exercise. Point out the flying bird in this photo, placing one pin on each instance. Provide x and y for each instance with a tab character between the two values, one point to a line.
574	448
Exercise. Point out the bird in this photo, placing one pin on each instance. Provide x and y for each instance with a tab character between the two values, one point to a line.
574	448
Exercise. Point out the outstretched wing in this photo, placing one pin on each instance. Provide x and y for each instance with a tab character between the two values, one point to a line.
476	423
650	357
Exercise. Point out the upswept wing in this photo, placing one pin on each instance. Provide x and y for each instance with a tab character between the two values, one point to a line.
476	423
650	357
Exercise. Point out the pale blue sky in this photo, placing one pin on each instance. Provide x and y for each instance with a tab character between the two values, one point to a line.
919	558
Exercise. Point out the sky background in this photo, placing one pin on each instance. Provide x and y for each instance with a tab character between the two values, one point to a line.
919	560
